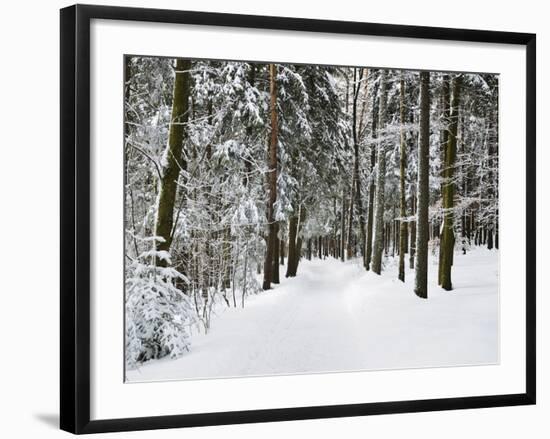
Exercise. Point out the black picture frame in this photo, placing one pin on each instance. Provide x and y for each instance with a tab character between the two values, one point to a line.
75	218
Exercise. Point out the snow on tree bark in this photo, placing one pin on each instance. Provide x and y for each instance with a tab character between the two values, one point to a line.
444	135
173	158
378	246
356	185
448	236
271	180
402	167
372	191
422	224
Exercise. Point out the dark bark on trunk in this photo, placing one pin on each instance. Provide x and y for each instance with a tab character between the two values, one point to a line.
378	246
174	157
356	183
370	227
341	241
291	258
349	249
490	178
370	217
275	267
372	190
445	97
447	236
271	179
299	240
421	278
402	169
412	241
226	248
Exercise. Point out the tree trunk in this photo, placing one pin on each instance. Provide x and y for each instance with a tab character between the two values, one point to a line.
445	98
372	190
349	249
341	242
402	169
173	157
490	177
271	179
275	267
421	278
357	194
292	268
447	238
226	255
292	232
412	241
380	181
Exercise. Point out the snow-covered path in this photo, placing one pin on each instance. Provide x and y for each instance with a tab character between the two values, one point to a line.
334	316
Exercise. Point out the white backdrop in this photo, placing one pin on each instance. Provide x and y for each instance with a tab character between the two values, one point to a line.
29	188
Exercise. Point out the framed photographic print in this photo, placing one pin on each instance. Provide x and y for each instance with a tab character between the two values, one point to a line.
267	218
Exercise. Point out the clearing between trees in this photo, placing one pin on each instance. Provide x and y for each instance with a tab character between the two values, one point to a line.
336	316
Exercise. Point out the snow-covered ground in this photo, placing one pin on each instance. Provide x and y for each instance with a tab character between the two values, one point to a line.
334	316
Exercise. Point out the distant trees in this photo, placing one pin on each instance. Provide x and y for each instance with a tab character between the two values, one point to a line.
237	170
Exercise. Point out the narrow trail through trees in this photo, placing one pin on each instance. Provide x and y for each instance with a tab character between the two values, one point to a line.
334	316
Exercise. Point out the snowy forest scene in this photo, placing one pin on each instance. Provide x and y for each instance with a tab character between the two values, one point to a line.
292	218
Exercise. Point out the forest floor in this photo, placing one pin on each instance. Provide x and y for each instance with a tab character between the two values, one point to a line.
335	316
